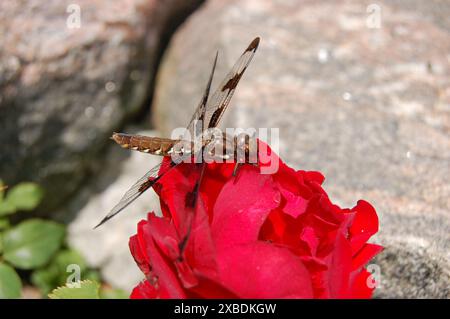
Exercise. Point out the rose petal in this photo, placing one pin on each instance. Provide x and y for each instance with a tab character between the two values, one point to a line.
364	225
364	255
137	248
238	213
144	290
168	243
210	289
295	205
339	266
262	270
359	288
200	249
162	267
309	237
174	189
312	176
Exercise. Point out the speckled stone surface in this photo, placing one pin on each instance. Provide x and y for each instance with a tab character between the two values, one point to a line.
367	106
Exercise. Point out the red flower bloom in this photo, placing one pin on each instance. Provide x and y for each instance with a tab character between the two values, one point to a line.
254	236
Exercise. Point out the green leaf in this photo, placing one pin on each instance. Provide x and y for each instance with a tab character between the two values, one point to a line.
86	290
46	279
2	190
55	274
66	258
10	284
4	224
93	275
7	208
1	243
32	243
25	196
111	293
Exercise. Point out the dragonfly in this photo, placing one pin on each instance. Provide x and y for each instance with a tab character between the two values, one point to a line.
206	116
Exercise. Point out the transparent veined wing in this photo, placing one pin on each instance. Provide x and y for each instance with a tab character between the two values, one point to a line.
138	188
218	102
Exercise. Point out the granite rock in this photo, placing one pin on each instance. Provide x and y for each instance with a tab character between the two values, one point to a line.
359	91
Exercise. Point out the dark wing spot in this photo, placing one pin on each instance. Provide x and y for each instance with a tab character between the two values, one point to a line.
233	82
215	117
254	45
149	183
146	185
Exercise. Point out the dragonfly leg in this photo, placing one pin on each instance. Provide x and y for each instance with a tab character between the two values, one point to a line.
237	166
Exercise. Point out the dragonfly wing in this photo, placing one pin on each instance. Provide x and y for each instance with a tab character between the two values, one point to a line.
218	102
138	188
196	124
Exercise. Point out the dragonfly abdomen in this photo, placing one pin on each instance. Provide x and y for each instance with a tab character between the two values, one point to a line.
145	144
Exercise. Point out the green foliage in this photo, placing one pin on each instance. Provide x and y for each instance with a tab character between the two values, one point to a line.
2	189
82	290
4	224
45	279
32	243
56	272
24	196
110	293
10	284
38	245
69	257
6	208
87	289
92	274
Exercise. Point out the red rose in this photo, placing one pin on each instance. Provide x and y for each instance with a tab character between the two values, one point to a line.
254	236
